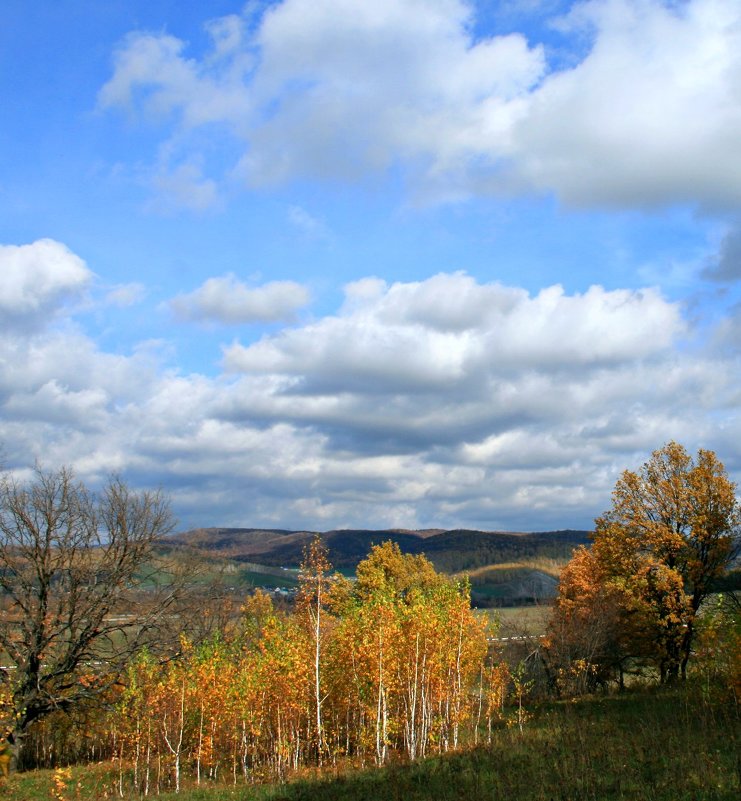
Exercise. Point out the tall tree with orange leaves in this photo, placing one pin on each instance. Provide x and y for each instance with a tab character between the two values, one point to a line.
672	529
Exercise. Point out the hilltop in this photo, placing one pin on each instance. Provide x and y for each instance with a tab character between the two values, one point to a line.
451	551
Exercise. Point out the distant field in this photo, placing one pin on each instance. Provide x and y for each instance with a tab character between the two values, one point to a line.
505	568
551	567
530	581
515	620
252	578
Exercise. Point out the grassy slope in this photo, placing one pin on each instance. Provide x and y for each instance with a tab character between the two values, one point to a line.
663	745
551	567
524	581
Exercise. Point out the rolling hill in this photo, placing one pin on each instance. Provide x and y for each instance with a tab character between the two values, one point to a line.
503	566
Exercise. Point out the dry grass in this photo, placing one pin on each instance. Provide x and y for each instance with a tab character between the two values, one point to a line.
551	567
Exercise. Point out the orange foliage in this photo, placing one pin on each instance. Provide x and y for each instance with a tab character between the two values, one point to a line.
672	529
400	662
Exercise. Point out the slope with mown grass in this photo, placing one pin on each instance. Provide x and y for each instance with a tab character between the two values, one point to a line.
513	583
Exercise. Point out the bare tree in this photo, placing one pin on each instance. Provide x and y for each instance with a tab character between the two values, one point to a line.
80	589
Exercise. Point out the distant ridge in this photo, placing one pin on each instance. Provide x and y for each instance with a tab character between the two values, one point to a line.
452	551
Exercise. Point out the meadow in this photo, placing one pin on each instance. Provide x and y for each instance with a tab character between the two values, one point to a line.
652	744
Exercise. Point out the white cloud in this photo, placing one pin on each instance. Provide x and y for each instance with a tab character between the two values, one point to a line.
650	116
184	185
573	385
151	72
55	403
36	279
362	87
439	402
333	89
448	329
227	300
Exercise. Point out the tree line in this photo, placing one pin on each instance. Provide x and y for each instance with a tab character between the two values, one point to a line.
393	663
101	658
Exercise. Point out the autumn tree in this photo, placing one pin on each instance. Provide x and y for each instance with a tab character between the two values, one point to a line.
313	592
417	649
672	529
590	639
70	565
393	662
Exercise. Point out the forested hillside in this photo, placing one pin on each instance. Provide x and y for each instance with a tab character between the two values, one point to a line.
450	551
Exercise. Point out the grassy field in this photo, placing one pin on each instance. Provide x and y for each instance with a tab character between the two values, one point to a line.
512	621
652	745
552	567
527	581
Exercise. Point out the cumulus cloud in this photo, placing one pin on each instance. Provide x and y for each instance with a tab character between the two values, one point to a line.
449	329
439	402
184	186
369	86
152	73
336	90
651	114
36	279
402	370
227	300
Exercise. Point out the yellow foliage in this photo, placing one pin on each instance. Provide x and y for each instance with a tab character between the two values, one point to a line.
670	532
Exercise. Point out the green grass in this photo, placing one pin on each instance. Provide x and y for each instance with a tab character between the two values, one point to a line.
514	620
660	745
250	578
509	583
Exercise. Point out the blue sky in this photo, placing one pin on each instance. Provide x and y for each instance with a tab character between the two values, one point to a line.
409	263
